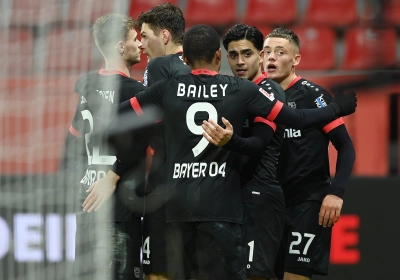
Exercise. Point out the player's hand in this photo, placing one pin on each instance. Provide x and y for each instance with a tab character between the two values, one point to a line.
100	192
330	210
344	104
215	134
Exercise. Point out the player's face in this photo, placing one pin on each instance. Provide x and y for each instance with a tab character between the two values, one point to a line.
152	45
244	59
132	48
279	59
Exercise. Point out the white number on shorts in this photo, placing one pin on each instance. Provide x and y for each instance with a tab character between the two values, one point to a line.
298	241
146	247
95	157
197	129
251	245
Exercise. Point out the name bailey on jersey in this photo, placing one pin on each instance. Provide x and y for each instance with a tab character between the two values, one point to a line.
201	91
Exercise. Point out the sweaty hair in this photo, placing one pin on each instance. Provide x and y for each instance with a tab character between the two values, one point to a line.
200	44
110	29
165	16
285	33
244	32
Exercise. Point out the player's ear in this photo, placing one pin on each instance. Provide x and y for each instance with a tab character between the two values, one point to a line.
296	59
261	56
184	59
121	47
218	54
166	36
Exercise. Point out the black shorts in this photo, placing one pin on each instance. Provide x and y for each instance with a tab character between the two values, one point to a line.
305	245
111	250
154	240
263	226
205	250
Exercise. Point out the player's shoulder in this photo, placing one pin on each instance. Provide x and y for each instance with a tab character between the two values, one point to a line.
315	93
273	87
166	60
309	87
84	80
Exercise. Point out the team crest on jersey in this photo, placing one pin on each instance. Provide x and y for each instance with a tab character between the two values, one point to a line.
270	96
145	77
320	101
292	104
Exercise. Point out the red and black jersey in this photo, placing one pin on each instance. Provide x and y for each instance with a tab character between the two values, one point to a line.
99	96
203	180
303	163
259	174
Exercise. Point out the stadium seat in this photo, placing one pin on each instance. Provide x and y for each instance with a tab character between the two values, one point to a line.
34	12
391	12
317	47
16	51
338	13
270	12
138	6
87	11
68	49
368	48
211	12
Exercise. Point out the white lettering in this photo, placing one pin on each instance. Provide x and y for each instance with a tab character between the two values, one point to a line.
53	237
203	167
176	171
181	90
214	91
5	238
192	91
28	240
223	88
195	170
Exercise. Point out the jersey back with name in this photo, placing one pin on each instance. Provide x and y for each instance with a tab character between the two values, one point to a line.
204	181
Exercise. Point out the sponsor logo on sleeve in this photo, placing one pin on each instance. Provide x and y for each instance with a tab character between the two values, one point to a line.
145	77
320	101
292	104
270	96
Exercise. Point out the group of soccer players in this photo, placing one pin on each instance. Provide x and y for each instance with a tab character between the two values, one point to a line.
239	184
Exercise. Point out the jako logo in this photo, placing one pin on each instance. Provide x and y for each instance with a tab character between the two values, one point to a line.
301	259
292	133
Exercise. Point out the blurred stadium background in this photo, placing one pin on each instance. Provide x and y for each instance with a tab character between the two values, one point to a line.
45	45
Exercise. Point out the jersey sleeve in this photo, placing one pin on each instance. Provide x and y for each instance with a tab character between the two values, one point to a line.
131	90
261	132
345	159
258	101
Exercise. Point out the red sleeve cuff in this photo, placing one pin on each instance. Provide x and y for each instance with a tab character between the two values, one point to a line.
332	125
275	111
136	106
267	122
74	132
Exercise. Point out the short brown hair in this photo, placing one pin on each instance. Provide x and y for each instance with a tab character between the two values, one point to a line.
285	33
165	16
110	29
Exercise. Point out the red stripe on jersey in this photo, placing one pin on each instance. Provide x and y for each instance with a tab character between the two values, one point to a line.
259	79
74	132
136	106
267	122
275	111
293	82
204	72
112	72
332	125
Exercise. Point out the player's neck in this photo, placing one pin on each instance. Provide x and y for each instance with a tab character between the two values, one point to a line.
112	65
286	82
207	66
173	49
257	76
